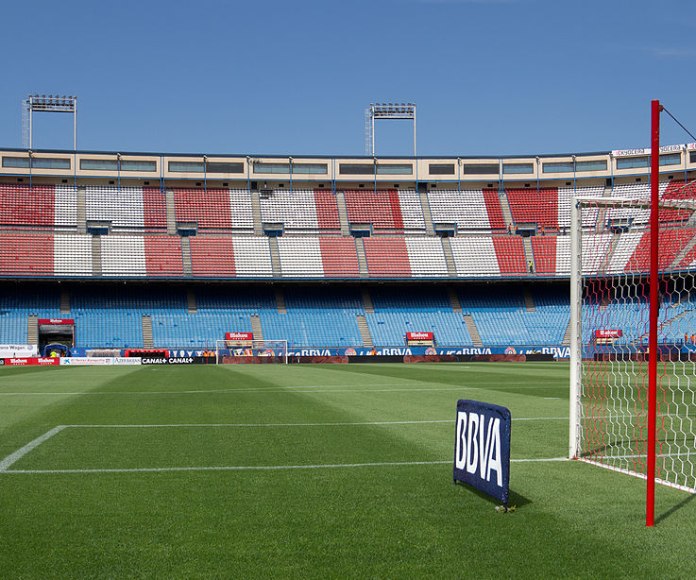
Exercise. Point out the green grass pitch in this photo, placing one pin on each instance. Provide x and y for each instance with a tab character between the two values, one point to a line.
308	471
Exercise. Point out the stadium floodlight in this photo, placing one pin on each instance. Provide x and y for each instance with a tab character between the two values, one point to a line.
387	111
46	104
633	332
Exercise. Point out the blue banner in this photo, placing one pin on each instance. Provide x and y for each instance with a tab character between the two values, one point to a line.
556	351
482	448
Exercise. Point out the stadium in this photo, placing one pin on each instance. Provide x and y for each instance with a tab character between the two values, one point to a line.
118	260
254	325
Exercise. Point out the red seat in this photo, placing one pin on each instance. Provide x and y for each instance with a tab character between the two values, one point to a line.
510	254
382	209
163	256
212	257
210	209
544	254
27	206
26	254
387	257
339	257
535	206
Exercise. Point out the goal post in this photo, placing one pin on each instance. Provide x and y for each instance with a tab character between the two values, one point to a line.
633	336
275	351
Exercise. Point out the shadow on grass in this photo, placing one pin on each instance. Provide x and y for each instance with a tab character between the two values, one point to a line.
514	499
675	508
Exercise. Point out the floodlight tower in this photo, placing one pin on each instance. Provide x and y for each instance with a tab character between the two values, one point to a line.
387	111
46	104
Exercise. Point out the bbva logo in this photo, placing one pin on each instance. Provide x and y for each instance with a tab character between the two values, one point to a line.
478	446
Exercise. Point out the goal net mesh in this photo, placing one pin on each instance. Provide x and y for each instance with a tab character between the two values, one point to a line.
614	296
271	351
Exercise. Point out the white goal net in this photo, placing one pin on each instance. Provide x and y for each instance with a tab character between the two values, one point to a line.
610	335
271	351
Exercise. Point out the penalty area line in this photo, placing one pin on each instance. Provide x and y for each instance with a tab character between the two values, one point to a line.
271	425
256	467
22	451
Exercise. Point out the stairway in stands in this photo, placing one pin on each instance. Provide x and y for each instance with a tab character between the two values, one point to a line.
81	208
32	329
364	331
342	213
191	303
256	327
566	336
454	300
529	253
427	214
449	257
64	302
529	301
275	257
148	341
186	255
473	330
96	256
256	213
171	212
505	207
368	305
362	259
280	301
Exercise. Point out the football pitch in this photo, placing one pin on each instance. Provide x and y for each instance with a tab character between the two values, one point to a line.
308	471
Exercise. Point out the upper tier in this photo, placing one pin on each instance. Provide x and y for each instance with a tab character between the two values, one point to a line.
117	223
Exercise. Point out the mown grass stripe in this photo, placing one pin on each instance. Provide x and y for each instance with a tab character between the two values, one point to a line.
257	467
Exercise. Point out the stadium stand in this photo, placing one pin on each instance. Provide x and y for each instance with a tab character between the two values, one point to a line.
302	210
339	257
252	257
210	209
387	257
122	255
465	208
389	210
543	211
566	194
17	303
80	229
300	257
426	257
212	256
73	255
163	256
154	209
25	206
294	209
425	310
502	317
26	253
545	254
122	207
65	208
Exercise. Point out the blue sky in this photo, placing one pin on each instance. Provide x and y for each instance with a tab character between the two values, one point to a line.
489	77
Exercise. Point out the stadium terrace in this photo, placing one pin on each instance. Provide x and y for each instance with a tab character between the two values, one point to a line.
174	251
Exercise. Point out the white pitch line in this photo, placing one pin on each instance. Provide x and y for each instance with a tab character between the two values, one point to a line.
272	390
256	467
264	425
22	451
